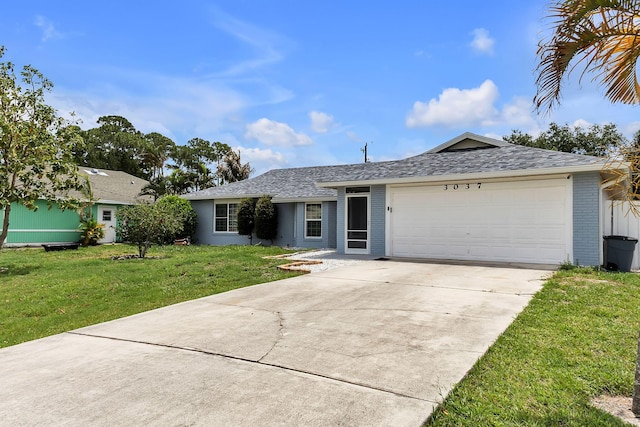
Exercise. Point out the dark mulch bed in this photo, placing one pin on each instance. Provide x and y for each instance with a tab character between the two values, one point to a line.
131	256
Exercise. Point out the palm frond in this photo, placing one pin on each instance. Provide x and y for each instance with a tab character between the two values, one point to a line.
602	36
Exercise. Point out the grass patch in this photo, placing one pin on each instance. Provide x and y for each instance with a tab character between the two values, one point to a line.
45	293
577	339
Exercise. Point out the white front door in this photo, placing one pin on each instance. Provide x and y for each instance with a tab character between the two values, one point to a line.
107	216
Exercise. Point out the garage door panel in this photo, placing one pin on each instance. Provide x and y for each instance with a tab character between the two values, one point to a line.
502	221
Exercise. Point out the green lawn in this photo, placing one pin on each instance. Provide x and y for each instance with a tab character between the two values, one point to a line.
44	293
577	339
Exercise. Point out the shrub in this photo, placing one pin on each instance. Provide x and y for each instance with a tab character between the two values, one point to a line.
91	232
145	224
246	217
181	208
266	219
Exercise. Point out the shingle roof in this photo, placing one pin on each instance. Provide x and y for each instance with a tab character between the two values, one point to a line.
499	158
496	159
115	186
281	184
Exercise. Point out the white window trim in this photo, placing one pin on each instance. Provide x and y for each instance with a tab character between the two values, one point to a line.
320	220
225	202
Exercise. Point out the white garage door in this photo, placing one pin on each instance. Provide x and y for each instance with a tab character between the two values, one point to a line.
523	221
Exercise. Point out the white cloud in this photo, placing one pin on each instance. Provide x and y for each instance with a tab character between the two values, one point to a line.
275	133
261	160
518	113
630	129
175	107
268	46
582	123
353	136
320	122
457	107
262	155
493	135
482	43
48	29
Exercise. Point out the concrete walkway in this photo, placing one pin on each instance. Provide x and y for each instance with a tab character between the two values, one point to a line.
378	343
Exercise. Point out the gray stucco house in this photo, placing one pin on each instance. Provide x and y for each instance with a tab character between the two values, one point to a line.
472	198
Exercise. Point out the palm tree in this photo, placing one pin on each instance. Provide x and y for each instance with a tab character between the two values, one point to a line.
604	37
156	151
157	187
232	169
85	210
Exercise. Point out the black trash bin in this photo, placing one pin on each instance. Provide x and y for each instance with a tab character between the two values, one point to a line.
618	252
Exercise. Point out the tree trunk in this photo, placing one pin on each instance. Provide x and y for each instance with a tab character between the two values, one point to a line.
635	406
5	226
142	250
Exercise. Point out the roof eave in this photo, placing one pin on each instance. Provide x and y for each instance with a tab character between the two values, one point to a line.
469	135
305	199
218	196
118	202
466	176
275	199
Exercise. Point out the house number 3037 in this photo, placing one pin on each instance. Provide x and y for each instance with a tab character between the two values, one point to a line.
464	186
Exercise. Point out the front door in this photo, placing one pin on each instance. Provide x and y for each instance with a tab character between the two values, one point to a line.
107	216
357	224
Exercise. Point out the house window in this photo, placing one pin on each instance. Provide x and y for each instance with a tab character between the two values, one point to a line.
313	220
226	218
106	216
356	190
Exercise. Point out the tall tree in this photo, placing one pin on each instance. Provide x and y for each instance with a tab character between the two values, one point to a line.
157	187
231	169
193	164
115	145
603	35
155	152
598	140
36	160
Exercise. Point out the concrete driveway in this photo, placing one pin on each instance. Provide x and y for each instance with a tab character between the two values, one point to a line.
378	343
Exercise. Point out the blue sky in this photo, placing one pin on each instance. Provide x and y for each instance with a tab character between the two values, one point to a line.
298	83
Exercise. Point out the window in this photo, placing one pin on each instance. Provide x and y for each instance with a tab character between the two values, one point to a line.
226	217
313	220
356	190
106	216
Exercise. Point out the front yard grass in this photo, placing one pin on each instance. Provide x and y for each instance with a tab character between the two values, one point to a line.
45	293
577	339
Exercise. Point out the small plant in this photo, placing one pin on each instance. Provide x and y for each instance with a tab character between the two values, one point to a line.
91	233
567	266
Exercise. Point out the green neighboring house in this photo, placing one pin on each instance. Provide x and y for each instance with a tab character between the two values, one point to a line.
111	189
